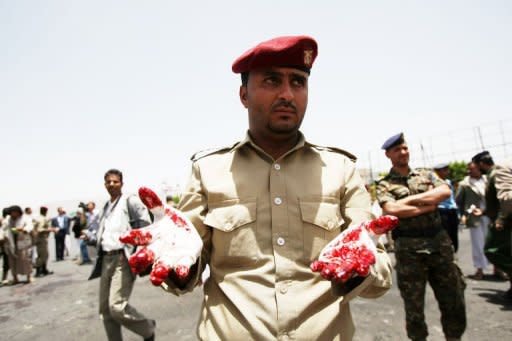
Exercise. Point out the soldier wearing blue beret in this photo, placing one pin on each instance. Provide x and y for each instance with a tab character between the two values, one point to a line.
423	249
393	141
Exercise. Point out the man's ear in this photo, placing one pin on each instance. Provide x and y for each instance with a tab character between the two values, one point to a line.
243	95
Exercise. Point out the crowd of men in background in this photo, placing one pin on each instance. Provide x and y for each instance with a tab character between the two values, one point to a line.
24	239
477	202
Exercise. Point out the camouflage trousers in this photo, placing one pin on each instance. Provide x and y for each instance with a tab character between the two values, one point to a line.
414	268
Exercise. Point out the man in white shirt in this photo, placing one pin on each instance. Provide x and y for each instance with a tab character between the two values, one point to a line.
120	214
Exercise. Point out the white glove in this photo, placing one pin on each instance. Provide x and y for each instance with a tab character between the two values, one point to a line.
353	251
171	243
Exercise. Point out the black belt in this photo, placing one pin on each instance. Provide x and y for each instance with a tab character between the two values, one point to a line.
113	252
427	232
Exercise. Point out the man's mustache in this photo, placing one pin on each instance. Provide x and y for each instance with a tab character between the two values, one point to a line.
284	104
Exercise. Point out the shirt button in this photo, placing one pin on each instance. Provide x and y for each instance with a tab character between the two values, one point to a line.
277	166
283	290
278	201
280	241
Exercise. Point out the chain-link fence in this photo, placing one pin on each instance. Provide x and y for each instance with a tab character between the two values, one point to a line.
456	145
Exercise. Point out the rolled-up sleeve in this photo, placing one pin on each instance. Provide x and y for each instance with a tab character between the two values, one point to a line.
383	194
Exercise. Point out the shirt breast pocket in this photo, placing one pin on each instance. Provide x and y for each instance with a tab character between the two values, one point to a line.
400	192
321	222
233	232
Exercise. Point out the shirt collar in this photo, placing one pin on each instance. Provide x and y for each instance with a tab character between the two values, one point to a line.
249	141
395	174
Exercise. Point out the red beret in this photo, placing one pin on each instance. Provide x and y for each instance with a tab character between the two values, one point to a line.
299	51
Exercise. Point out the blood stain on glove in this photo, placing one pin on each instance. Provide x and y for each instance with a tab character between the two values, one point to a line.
141	260
352	254
149	198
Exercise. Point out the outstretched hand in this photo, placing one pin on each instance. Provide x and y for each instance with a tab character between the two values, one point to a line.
353	251
171	243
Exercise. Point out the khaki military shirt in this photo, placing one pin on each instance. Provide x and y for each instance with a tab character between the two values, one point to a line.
41	229
263	222
498	195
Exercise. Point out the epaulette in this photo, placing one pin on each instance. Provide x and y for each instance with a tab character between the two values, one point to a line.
351	156
202	153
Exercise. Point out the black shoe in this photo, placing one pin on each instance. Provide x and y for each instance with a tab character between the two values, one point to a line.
45	271
500	275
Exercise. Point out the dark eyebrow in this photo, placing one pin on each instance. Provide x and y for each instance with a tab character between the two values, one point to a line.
272	73
296	75
299	76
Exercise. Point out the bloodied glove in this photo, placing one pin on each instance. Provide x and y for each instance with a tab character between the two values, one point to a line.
352	252
171	243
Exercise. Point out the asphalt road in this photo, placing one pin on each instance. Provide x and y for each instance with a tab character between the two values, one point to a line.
64	306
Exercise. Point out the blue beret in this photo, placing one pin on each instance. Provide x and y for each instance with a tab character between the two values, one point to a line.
393	141
442	165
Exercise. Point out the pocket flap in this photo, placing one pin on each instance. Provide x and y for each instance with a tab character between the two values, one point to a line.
231	217
326	215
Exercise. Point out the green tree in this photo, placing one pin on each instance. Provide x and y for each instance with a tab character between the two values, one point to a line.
458	170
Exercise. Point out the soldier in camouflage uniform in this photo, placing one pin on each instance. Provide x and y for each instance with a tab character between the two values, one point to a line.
423	249
43	229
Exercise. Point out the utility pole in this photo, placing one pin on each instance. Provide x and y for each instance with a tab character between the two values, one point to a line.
480	137
505	156
423	154
370	166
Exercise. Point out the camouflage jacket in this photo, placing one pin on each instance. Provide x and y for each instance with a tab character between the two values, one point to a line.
394	187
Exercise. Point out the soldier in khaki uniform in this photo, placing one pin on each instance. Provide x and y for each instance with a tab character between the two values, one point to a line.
423	249
267	205
41	231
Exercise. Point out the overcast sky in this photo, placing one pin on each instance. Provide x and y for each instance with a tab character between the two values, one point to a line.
142	85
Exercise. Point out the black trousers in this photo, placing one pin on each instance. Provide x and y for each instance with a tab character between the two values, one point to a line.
450	222
59	246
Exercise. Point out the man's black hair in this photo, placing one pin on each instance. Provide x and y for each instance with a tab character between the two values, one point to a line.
15	208
487	159
245	78
114	171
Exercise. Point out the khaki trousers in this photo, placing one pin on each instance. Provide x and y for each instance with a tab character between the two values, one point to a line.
116	285
42	252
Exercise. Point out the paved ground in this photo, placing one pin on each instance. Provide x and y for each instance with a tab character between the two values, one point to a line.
63	306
